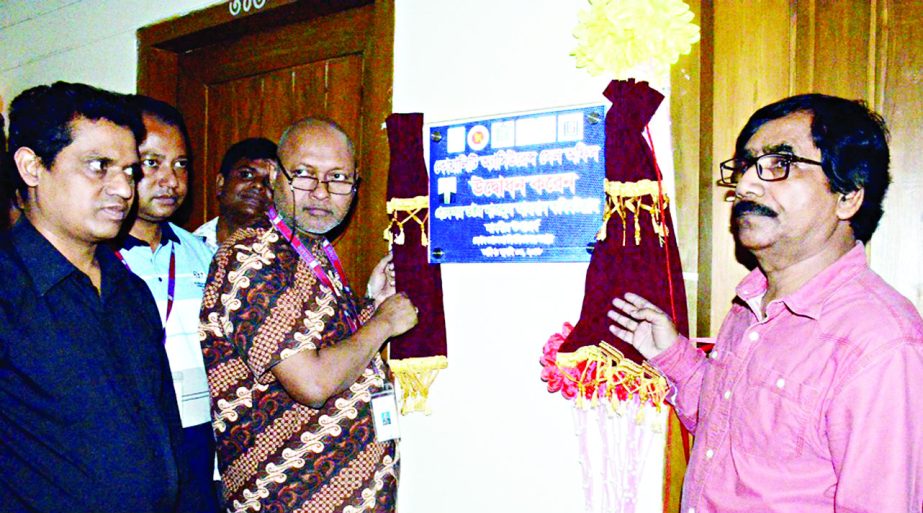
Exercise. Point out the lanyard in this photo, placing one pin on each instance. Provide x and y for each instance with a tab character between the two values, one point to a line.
279	224
171	278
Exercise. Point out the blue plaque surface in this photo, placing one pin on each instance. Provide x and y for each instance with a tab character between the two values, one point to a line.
525	188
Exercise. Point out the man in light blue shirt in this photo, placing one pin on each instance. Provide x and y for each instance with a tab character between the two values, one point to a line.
174	264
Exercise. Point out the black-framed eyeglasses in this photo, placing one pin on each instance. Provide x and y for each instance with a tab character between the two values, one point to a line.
771	167
310	183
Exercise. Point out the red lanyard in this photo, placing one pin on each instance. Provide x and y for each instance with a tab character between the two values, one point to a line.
279	224
171	278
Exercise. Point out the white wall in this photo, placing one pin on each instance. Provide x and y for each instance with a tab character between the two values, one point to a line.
90	41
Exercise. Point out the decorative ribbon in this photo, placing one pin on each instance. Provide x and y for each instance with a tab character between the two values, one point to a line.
621	37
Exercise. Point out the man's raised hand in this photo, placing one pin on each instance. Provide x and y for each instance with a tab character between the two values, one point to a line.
381	283
640	323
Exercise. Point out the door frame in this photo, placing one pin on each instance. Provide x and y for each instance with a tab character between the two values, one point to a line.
161	44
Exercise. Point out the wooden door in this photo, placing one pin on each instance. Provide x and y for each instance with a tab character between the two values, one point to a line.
248	77
897	246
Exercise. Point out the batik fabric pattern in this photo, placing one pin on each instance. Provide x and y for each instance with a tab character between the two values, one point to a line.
263	305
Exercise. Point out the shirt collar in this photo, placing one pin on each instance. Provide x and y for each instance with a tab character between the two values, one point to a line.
809	298
47	266
166	234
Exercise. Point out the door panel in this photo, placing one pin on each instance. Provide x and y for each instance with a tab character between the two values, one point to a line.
313	40
306	80
201	192
344	90
246	98
897	251
277	105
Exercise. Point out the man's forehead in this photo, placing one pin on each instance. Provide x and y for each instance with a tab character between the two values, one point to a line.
787	134
307	138
102	136
250	162
782	147
162	132
80	125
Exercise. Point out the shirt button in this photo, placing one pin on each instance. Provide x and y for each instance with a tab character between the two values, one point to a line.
713	354
753	336
691	510
709	454
780	383
727	394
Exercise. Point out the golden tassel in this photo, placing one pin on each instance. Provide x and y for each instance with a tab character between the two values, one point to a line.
415	376
613	369
624	198
410	206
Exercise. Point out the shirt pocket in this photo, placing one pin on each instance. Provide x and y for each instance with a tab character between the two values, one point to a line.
771	414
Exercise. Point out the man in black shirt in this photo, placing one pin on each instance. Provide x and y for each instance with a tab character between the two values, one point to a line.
88	416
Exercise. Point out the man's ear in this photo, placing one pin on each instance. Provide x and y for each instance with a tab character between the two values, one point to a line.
28	164
219	185
849	203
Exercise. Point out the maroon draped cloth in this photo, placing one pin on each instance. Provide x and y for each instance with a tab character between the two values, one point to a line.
408	178
618	264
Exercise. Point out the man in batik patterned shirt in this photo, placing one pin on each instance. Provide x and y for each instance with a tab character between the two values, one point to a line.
292	354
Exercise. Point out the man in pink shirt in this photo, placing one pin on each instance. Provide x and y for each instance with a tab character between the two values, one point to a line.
811	399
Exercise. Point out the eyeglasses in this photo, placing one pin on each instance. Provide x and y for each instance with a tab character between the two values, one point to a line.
771	167
333	185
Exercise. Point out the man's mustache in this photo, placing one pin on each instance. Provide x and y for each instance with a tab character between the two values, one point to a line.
745	207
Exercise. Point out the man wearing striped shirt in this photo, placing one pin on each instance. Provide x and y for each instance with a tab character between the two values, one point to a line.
174	264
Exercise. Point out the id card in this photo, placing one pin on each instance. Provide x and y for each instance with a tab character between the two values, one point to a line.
178	389
384	415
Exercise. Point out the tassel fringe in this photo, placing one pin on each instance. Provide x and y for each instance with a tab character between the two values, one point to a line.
600	374
415	376
416	209
605	374
624	198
